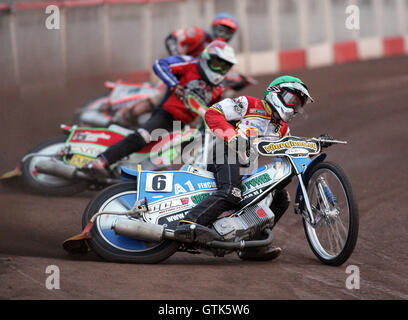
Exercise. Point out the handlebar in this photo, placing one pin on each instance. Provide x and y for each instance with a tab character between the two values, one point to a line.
194	103
305	138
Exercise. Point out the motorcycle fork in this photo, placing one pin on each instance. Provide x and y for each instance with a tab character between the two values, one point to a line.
309	214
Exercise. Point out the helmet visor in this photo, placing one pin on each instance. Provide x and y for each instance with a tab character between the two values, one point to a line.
219	65
224	32
291	100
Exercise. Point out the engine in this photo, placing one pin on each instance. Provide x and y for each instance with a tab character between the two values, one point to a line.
244	226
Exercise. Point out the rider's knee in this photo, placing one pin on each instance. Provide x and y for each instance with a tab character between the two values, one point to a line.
145	135
231	194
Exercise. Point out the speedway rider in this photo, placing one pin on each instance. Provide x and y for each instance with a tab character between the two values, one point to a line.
203	76
233	120
192	41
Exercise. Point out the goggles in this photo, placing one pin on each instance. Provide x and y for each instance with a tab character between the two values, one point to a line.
291	100
223	32
218	65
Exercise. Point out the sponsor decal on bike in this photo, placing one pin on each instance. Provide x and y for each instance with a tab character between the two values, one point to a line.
98	137
261	213
169	206
207	185
199	197
86	149
256	181
176	217
90	136
252	194
80	160
288	145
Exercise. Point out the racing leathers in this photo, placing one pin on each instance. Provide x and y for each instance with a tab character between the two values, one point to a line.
190	41
174	71
228	119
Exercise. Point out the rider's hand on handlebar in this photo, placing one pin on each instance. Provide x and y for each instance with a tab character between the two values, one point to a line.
243	148
179	91
325	136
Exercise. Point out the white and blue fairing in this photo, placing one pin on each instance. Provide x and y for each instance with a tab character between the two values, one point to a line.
171	194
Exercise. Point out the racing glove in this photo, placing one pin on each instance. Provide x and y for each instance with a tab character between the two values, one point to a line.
179	91
243	148
325	136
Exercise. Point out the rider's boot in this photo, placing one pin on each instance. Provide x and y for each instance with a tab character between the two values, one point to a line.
280	203
97	168
190	231
260	254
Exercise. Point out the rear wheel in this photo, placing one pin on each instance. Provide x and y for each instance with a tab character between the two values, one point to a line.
335	210
110	246
44	183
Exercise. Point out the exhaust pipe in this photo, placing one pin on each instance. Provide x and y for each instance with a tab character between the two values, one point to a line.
56	168
152	232
68	172
141	230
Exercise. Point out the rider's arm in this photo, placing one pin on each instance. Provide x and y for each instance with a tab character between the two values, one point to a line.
172	45
168	68
218	115
282	132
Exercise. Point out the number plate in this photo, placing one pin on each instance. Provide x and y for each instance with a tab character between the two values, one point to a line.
78	160
159	182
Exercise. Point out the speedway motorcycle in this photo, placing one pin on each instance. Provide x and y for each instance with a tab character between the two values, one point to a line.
126	104
135	221
131	104
54	166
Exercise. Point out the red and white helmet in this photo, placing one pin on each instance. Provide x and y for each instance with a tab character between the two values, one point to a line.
216	60
224	26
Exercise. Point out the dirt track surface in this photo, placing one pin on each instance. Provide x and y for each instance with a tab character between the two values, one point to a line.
363	103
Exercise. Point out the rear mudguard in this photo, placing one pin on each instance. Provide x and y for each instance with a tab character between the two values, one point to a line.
306	177
128	174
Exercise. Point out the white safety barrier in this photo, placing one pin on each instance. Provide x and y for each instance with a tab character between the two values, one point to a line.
124	37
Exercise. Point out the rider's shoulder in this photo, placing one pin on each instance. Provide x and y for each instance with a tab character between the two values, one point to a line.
194	32
257	107
244	100
253	102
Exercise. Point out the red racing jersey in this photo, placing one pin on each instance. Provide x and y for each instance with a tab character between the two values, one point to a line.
189	41
185	72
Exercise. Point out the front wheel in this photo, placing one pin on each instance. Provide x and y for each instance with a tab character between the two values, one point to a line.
335	210
112	247
45	183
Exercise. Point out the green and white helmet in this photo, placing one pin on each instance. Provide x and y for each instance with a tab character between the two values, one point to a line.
286	95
